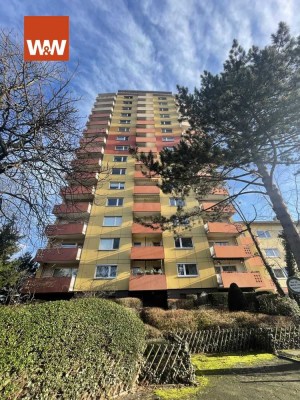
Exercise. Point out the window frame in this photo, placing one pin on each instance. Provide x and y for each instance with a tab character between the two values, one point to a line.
166	130
263	234
113	248
119	201
123	129
274	250
122	171
105	217
119	184
121	157
121	148
185	275
122	138
106	277
166	122
175	201
168	139
281	271
125	115
180	241
164	109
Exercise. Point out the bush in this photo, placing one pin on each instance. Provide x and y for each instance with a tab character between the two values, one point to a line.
236	298
75	349
273	304
218	299
193	320
153	333
130	302
184	304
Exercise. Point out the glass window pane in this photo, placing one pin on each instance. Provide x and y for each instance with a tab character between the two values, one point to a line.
191	269
187	242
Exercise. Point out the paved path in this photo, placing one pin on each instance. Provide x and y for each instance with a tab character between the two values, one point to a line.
273	380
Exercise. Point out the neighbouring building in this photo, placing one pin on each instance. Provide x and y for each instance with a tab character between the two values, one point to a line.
95	245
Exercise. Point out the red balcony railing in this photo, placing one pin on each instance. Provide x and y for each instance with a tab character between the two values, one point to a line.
84	177
72	210
46	285
214	207
147	282
146	190
138	228
66	230
146	207
58	255
242	279
147	253
78	192
87	164
221	228
230	251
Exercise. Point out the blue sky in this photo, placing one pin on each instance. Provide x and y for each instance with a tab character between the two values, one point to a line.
153	44
156	44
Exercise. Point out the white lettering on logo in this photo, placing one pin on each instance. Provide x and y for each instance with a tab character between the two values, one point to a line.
46	48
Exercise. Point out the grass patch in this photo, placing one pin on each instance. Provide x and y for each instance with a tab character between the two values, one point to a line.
182	392
203	362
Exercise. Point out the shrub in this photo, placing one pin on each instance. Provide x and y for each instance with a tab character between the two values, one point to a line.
273	304
184	304
236	298
152	333
130	302
75	349
218	299
193	320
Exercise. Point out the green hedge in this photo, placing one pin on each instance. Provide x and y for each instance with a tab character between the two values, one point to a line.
68	349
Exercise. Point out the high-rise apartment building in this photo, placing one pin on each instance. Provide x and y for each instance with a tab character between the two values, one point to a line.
95	243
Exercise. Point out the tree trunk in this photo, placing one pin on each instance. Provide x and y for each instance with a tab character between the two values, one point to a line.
282	214
266	264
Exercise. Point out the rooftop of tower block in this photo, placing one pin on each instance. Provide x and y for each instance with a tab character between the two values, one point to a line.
141	92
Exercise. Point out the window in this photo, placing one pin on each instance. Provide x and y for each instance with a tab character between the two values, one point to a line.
167	130
263	234
64	272
163	109
106	271
170	148
220	243
127	102
128	97
126	108
123	129
117	185
125	115
168	139
182	243
112	221
122	138
124	121
225	268
164	115
187	270
118	171
121	148
120	158
162	98
109	244
272	252
114	201
279	272
176	202
163	103
165	122
137	244
68	245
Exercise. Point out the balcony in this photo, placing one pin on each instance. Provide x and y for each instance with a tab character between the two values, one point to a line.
147	149
147	253
47	285
242	279
145	130
222	229
90	151
146	190
149	175
145	122
86	141
87	164
140	229
58	255
140	139
147	282
231	252
95	132
211	207
78	192
63	231
76	210
143	209
87	178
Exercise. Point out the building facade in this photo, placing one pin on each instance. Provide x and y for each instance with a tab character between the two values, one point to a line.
95	243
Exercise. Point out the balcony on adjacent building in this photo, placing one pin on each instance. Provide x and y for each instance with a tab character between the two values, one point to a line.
147	149
47	285
231	252
63	231
140	229
222	229
95	132
90	151
145	122
215	208
242	279
87	164
89	141
147	282
78	192
143	139
73	211
146	209
149	190
58	255
87	178
139	175
147	253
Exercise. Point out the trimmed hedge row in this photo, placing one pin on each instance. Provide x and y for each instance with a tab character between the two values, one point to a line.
68	349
